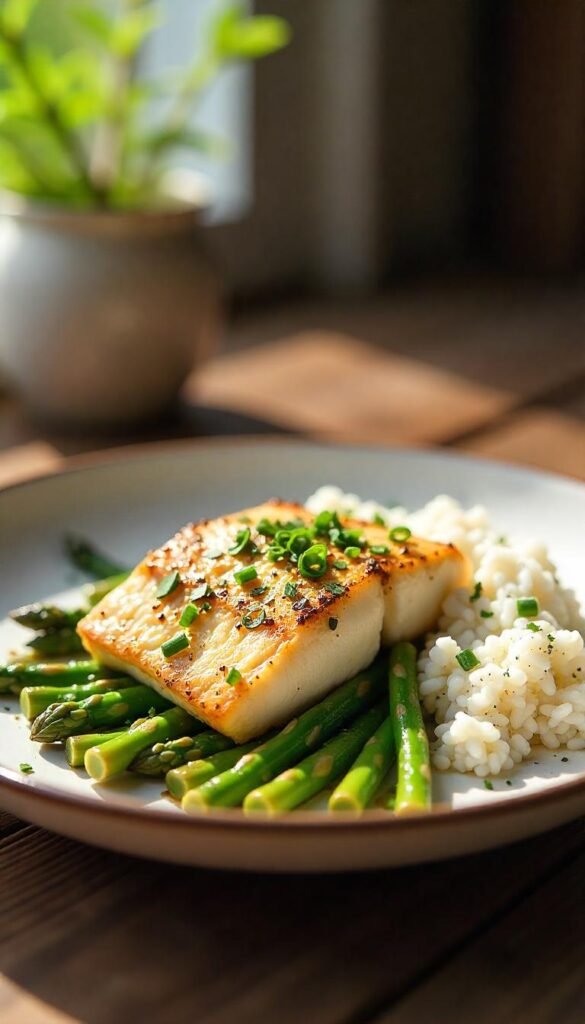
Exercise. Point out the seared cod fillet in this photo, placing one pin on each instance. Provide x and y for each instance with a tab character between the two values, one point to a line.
260	651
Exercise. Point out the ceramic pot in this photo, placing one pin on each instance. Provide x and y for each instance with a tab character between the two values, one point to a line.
102	314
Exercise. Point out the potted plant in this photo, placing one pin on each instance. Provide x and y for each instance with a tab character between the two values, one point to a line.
105	292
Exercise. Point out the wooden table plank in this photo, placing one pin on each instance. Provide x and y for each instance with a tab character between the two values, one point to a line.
27	460
526	968
543	438
107	938
335	386
527	336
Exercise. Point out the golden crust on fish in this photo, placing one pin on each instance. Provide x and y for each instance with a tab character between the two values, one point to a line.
306	641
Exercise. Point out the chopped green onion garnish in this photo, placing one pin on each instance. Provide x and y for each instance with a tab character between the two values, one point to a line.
333	623
258	591
351	538
488	784
26	769
201	591
246	575
475	596
379	549
254	618
339	564
290	590
352	552
467	660
400	534
486	615
527	607
168	584
313	562
282	538
378	519
299	541
174	645
275	553
533	627
326	521
334	588
242	540
233	677
206	607
266	528
190	613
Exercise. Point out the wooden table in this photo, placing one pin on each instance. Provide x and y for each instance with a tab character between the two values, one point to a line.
96	937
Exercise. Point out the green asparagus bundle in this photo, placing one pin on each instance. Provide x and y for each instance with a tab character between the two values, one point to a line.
56	643
413	790
357	789
36	699
76	747
15	676
55	627
114	755
46	616
298	784
159	758
102	711
284	750
87	558
180	780
95	591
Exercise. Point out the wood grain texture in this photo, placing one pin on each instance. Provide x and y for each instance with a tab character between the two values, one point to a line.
333	385
106	938
542	438
528	966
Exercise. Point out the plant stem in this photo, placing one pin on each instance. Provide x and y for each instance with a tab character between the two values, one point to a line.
67	140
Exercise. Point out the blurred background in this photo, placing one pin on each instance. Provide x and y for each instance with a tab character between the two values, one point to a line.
377	233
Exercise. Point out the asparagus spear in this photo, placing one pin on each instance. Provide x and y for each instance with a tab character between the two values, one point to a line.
15	676
102	711
46	616
413	790
298	784
49	617
76	747
159	758
95	591
189	776
87	558
116	754
356	789
289	745
36	699
57	642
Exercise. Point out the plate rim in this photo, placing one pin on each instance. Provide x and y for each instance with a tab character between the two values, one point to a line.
136	452
300	821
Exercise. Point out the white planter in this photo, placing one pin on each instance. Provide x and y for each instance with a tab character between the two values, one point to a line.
102	314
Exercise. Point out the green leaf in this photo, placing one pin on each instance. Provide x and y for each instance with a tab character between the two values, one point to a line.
94	22
130	31
159	140
85	95
45	70
15	15
238	37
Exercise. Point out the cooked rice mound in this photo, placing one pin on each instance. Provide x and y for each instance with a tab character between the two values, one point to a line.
529	686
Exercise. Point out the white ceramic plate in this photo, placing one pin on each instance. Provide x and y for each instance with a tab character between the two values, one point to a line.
135	500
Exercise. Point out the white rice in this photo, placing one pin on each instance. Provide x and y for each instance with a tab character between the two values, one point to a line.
529	686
